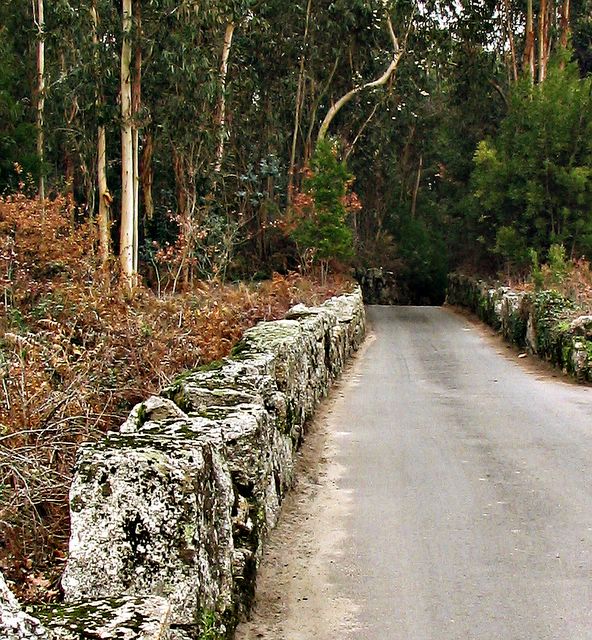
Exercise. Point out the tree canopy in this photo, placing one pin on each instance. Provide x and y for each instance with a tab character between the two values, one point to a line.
459	121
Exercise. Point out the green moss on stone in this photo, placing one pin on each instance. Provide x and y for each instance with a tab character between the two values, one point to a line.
142	416
211	366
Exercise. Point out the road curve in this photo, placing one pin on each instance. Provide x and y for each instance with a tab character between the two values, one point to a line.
471	487
454	500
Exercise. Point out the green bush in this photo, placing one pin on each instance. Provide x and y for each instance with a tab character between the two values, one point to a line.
533	180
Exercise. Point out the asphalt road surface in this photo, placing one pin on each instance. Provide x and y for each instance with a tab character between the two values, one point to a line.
471	481
467	479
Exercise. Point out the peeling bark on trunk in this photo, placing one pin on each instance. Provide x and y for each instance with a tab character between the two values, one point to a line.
528	62
105	199
128	220
180	169
147	174
222	105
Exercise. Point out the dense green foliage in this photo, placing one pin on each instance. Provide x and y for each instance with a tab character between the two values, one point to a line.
321	228
534	179
459	158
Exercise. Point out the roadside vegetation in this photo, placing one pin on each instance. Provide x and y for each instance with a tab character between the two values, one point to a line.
168	166
77	352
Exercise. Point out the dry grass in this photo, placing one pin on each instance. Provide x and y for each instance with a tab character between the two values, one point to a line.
76	353
572	278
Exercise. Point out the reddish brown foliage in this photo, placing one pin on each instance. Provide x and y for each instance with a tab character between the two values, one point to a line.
75	355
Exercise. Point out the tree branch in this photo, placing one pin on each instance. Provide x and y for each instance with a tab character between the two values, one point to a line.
382	80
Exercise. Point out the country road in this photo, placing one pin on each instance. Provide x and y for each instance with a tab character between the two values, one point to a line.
445	495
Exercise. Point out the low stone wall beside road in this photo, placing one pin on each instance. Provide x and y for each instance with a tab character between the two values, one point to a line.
169	515
379	286
545	323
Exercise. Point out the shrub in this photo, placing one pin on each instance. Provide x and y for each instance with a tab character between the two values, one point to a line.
320	229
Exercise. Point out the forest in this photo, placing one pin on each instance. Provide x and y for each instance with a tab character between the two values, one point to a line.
172	170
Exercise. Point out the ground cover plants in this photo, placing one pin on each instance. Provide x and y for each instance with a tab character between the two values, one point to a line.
77	351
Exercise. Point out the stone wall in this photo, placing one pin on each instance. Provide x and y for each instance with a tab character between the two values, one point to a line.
169	515
379	287
545	323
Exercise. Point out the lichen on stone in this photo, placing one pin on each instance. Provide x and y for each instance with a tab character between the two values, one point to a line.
179	503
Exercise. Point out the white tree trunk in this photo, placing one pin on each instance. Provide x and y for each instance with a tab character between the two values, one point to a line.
104	199
543	36
104	217
129	222
136	104
222	106
40	23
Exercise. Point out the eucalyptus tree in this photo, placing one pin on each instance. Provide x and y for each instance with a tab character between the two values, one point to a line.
128	242
39	19
17	78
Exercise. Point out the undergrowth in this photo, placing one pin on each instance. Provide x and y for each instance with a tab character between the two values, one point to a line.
77	352
570	277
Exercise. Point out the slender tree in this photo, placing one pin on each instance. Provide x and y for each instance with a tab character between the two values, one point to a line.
299	99
40	24
543	40
104	215
221	123
528	60
129	221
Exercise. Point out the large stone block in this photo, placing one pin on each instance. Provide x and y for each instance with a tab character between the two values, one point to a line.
15	624
124	618
151	514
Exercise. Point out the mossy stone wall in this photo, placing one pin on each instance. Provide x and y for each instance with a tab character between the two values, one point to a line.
545	322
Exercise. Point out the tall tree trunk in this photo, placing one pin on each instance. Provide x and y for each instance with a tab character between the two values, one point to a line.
181	171
564	29
129	222
105	200
528	62
416	187
382	80
136	105
315	103
564	24
298	109
222	104
510	30
40	23
104	216
543	40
